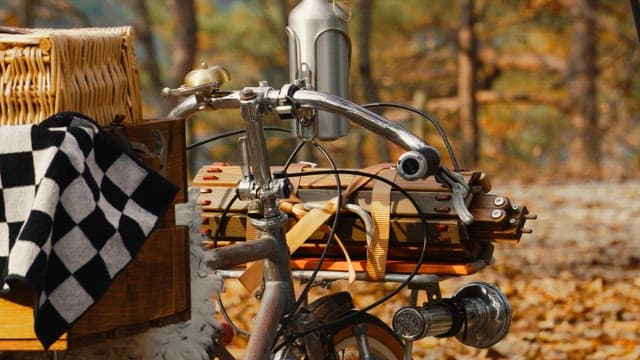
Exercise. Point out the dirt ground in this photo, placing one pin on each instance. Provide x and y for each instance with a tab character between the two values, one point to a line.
574	284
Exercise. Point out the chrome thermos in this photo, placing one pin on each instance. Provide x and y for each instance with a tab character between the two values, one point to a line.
319	56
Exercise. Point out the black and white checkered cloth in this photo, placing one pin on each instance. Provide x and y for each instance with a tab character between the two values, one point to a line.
74	210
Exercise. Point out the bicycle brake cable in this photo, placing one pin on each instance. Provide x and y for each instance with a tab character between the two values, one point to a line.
334	226
293	154
228	319
331	235
223	220
232	133
434	122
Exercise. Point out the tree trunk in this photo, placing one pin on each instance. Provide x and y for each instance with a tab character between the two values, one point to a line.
185	43
144	32
368	87
28	16
584	147
467	64
183	59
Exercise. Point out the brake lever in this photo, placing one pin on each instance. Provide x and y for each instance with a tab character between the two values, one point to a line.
460	191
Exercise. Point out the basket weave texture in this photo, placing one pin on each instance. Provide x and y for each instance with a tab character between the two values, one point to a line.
88	70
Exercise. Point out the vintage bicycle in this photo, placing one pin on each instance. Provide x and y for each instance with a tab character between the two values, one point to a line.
478	314
454	217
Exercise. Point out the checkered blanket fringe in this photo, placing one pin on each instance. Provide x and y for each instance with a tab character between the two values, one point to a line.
74	210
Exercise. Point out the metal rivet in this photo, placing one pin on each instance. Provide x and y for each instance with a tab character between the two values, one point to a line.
515	207
247	94
512	221
499	201
495	214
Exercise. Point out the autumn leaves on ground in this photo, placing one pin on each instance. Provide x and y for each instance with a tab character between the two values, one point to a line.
574	284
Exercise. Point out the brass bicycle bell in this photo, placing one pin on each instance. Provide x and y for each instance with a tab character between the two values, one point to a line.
202	82
215	75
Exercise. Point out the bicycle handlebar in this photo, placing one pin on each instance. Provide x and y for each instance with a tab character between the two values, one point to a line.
421	160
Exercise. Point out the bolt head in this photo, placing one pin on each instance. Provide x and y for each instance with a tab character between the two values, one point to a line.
247	94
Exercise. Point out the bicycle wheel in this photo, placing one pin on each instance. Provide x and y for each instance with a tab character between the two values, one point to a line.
382	342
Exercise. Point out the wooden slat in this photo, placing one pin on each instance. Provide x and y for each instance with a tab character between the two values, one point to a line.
16	322
393	266
173	166
228	176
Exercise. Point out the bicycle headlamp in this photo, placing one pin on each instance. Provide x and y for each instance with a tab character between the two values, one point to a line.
478	315
418	164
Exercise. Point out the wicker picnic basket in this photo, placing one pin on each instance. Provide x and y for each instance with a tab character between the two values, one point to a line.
88	70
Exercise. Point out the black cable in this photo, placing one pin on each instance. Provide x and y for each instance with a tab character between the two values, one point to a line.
337	173
402	285
293	154
431	119
223	220
226	317
232	133
334	225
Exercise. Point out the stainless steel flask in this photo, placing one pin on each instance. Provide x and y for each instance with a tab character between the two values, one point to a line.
319	57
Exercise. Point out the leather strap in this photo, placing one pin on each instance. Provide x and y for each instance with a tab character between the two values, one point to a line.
359	181
296	236
381	217
298	212
316	218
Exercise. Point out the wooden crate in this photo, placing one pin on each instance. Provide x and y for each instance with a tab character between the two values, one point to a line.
449	240
153	290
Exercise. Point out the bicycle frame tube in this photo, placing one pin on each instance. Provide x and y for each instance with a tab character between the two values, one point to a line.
278	298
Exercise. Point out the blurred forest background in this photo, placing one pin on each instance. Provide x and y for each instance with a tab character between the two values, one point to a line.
524	88
539	91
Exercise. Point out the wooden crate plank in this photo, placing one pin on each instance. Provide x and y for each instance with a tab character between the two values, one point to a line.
16	322
165	142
